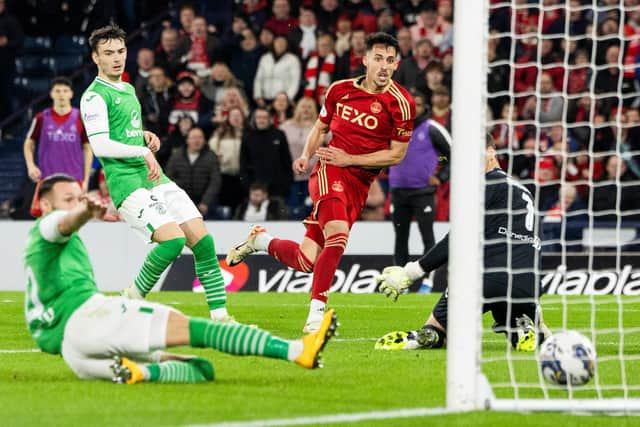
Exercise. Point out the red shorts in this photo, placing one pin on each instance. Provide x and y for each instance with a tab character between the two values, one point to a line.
348	186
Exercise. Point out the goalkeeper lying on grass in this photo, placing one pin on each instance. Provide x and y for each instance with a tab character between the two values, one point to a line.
509	224
118	338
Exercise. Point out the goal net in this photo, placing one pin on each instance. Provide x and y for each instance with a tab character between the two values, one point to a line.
561	98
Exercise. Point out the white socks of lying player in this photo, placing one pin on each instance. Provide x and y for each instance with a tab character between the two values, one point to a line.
414	270
262	241
219	314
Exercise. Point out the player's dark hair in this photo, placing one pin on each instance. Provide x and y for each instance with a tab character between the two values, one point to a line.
384	39
47	184
103	34
489	141
61	80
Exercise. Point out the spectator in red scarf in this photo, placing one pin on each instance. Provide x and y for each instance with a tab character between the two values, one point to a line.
281	23
350	63
429	26
320	68
200	49
188	100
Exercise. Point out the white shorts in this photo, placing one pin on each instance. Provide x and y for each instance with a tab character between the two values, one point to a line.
104	327
147	210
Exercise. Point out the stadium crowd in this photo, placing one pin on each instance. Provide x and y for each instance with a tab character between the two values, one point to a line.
232	88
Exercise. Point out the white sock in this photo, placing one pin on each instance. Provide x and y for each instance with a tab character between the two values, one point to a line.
145	372
219	313
316	310
134	293
262	241
295	349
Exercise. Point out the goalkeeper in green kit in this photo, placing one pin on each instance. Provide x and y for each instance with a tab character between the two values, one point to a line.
119	338
154	206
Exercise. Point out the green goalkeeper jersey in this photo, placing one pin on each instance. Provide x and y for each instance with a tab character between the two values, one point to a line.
113	109
59	280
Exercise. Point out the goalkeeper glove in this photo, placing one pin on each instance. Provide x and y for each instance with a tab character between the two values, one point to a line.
393	281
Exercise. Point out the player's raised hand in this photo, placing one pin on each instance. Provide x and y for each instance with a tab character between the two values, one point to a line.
154	167
334	156
393	281
95	206
152	141
300	165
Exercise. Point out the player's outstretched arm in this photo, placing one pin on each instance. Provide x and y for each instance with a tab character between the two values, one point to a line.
376	160
395	279
89	207
314	140
437	256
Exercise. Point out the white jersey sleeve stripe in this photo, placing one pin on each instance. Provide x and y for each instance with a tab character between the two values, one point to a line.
95	117
94	113
49	227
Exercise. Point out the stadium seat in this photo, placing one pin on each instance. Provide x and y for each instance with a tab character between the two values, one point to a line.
66	64
37	45
71	45
32	85
35	66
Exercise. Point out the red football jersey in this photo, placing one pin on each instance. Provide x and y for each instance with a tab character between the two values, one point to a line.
362	122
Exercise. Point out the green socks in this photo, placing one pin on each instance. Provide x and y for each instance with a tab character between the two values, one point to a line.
157	261
236	339
208	271
176	371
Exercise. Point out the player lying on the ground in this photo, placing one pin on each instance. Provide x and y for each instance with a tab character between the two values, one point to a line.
371	120
508	228
118	338
153	205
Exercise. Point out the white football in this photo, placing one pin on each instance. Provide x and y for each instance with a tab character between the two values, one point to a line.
567	357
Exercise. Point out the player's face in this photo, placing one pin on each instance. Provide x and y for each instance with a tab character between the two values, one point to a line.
64	196
490	160
61	94
381	62
110	58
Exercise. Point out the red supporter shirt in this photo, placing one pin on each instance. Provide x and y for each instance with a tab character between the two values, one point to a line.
36	126
363	122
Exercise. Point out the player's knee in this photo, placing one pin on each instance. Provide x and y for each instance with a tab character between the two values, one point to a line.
336	240
174	247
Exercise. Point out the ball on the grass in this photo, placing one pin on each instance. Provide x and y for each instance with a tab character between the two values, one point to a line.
567	357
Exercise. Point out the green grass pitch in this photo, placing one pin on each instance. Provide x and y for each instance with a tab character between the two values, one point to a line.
39	390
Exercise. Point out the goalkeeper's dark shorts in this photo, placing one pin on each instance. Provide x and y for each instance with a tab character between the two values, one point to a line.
522	299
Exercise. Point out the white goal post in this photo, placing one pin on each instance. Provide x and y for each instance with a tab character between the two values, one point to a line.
478	380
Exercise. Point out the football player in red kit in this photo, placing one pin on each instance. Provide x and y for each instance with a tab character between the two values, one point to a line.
371	120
